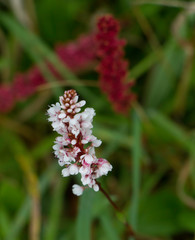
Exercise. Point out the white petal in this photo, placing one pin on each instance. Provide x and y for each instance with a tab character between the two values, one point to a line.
62	115
60	161
81	103
73	121
65	172
77	190
77	110
96	188
75	99
84	170
97	143
84	141
85	180
73	169
73	142
105	168
88	158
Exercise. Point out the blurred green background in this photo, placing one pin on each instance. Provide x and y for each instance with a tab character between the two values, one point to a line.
151	150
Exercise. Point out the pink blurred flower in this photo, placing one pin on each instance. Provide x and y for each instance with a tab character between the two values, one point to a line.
113	67
35	77
77	55
22	87
6	99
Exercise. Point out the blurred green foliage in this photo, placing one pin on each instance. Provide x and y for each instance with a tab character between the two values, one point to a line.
151	149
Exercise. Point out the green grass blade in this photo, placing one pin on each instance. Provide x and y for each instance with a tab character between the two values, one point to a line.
109	229
171	129
19	221
52	225
83	225
43	148
4	222
106	135
136	157
164	75
144	65
22	216
114	144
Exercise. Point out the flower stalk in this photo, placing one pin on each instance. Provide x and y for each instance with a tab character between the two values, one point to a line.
130	231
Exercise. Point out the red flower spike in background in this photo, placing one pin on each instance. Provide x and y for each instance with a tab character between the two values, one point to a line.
113	67
78	56
22	87
35	77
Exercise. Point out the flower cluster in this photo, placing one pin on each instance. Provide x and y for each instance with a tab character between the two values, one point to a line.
77	55
113	68
75	148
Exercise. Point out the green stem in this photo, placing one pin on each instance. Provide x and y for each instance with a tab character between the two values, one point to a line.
125	222
136	154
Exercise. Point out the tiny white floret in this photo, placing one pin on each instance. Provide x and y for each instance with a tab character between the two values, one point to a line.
77	190
65	172
73	169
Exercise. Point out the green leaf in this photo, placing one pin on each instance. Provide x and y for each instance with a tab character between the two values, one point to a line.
8	191
100	203
187	219
114	144
171	129
158	214
144	65
43	148
164	75
107	135
61	19
4	222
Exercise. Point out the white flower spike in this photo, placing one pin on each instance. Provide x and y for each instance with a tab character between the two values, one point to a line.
69	148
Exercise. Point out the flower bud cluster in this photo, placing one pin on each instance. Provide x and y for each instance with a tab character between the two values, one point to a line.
75	148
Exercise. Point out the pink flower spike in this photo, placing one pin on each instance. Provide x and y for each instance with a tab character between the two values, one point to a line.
70	148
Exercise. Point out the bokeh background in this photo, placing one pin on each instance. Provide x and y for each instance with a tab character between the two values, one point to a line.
151	147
